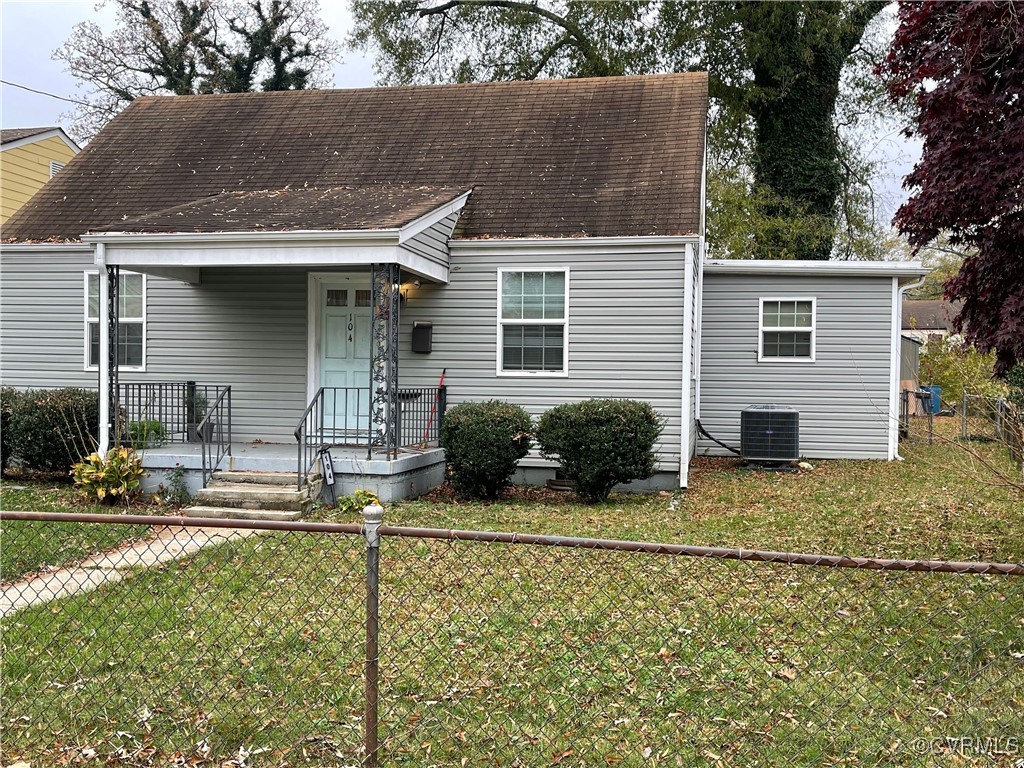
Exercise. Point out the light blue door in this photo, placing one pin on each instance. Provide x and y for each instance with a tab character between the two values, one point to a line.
345	305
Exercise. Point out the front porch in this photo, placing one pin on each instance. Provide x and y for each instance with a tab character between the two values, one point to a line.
410	473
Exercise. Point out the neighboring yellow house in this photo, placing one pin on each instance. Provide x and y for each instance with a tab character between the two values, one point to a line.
29	157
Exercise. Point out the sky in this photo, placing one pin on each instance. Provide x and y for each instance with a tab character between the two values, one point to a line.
30	30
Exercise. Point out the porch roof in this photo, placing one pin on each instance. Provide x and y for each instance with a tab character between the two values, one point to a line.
343	208
357	226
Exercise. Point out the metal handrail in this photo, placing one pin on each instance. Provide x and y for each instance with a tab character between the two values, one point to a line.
307	450
209	428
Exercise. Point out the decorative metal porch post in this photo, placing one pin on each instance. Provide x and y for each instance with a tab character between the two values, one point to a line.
113	331
383	427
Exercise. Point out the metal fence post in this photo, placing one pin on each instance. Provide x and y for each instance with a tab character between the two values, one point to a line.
963	417
372	517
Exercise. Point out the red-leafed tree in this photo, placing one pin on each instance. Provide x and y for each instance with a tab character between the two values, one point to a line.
962	65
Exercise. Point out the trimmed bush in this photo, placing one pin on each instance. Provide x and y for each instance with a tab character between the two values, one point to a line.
483	442
601	443
52	429
8	396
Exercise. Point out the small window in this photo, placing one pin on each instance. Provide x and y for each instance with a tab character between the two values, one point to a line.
131	342
532	322
337	298
55	168
787	330
364	298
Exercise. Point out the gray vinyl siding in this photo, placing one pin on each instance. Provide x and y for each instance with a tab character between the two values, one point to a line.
843	396
625	333
42	319
432	243
243	328
247	328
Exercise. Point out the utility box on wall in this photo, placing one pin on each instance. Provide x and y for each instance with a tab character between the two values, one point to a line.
422	337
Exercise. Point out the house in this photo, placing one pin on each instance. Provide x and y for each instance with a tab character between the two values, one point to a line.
929	319
29	157
307	268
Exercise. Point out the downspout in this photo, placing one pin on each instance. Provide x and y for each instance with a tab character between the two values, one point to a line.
896	358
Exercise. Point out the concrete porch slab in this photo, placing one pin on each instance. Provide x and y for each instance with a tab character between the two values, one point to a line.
411	474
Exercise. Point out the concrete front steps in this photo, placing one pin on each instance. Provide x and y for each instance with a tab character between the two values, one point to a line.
254	496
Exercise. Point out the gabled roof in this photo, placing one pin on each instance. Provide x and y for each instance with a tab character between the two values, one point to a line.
14	137
282	210
8	135
598	157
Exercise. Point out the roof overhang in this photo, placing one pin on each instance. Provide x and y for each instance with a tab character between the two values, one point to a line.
904	271
293	248
42	136
573	245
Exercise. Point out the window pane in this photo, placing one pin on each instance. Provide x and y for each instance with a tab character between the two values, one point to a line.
786	344
512	295
554	295
364	298
803	314
533	348
94	343
94	296
129	348
337	298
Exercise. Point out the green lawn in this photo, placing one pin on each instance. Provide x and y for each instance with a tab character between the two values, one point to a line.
513	655
27	546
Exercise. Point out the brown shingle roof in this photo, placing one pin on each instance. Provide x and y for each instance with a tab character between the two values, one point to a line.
929	314
557	158
13	134
280	210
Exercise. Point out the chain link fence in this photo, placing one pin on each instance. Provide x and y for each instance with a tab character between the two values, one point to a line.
278	644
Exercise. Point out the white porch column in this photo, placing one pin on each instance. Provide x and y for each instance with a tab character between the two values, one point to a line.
103	364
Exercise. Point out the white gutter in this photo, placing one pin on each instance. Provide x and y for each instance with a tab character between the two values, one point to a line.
894	408
806	267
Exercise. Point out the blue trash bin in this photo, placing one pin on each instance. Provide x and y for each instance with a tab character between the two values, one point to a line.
933	404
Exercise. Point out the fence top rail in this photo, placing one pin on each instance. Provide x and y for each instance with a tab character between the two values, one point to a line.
615	545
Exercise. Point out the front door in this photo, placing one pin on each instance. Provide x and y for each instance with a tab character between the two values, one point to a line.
345	306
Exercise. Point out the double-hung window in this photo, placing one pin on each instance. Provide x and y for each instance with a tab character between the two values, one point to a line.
787	330
131	343
533	322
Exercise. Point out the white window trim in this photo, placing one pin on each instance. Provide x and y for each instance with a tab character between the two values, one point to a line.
564	322
86	320
761	329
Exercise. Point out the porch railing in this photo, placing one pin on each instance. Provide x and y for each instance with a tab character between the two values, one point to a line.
156	413
214	433
340	416
420	412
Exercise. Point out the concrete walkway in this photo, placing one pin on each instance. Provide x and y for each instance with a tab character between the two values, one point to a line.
166	544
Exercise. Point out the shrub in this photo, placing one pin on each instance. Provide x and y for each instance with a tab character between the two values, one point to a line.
175	493
8	396
148	433
601	443
355	503
954	367
117	477
51	429
483	442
